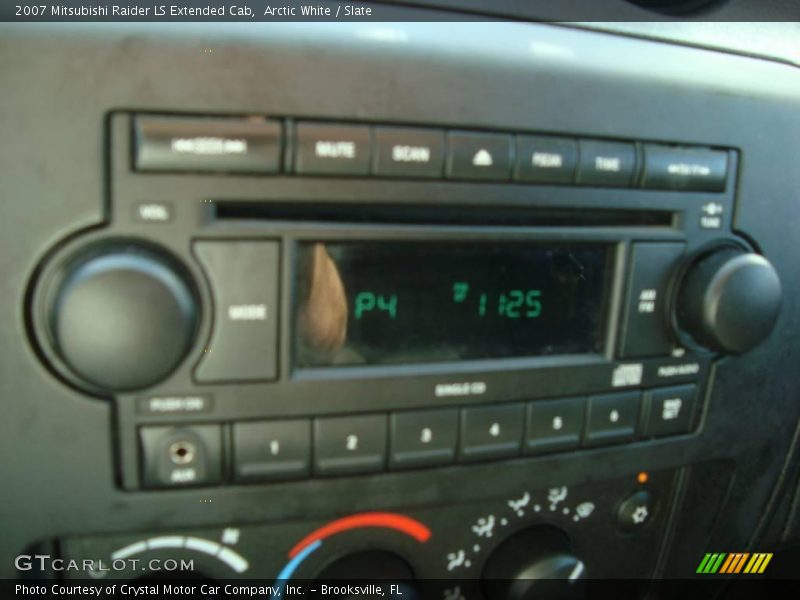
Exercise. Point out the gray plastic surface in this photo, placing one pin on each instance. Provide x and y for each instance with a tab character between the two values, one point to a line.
60	82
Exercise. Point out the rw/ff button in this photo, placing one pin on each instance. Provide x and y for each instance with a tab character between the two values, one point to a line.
491	431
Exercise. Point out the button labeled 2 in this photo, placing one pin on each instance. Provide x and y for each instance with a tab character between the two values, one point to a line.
344	445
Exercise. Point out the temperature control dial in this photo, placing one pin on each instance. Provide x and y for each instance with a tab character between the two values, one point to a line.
373	565
122	316
536	562
729	300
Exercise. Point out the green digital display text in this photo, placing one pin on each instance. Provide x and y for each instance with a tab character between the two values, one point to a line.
367	302
509	304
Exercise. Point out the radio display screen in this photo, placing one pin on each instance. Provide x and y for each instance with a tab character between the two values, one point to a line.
390	302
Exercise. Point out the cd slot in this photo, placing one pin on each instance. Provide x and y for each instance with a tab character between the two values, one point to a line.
440	214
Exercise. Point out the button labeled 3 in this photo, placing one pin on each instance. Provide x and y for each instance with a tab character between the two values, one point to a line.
423	438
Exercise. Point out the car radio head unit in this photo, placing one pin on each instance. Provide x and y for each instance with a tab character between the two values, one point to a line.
517	294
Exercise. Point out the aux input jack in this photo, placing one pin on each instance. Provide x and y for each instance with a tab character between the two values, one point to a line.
182	452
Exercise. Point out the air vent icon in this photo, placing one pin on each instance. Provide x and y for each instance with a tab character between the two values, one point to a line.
482	158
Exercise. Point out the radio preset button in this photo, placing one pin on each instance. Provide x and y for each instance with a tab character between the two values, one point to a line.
554	425
690	169
484	156
606	163
545	159
423	438
612	418
671	410
491	431
331	149
352	444
406	152
268	450
207	144
244	281
645	324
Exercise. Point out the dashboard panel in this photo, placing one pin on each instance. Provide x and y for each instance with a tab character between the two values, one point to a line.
303	300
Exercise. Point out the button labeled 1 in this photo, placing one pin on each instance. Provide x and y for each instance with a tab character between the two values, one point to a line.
268	450
344	445
491	431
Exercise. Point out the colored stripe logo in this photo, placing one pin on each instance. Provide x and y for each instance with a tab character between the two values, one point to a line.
734	563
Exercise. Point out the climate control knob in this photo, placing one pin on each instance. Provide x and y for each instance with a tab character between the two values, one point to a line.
122	316
365	566
534	563
729	300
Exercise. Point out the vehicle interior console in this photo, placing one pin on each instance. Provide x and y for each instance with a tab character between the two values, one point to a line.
485	309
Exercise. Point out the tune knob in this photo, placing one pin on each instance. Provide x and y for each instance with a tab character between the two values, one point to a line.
122	316
534	563
729	300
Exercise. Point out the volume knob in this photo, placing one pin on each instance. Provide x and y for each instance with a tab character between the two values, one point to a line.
729	300
122	316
